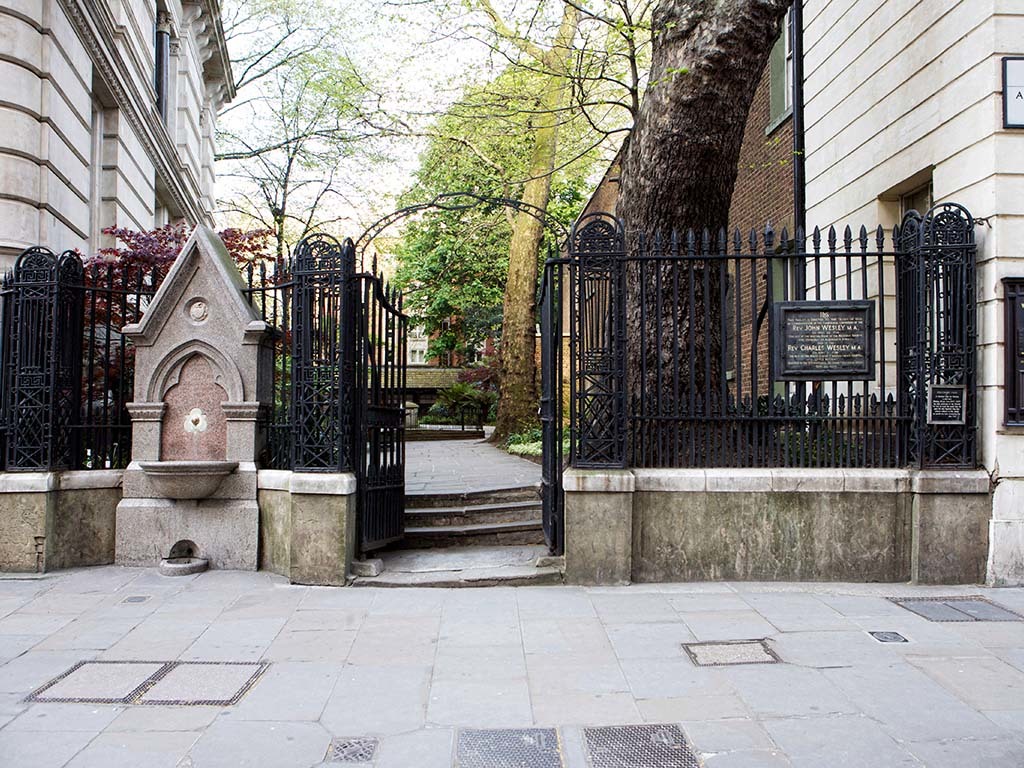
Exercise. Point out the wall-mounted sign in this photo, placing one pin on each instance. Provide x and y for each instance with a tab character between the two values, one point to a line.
816	340
1013	92
947	404
1013	369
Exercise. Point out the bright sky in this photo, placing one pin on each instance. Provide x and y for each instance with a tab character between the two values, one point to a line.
420	72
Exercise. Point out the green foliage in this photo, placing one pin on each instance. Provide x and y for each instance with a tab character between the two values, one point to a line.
453	262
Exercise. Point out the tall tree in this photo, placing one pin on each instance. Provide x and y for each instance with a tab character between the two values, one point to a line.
680	163
517	403
302	109
680	166
454	260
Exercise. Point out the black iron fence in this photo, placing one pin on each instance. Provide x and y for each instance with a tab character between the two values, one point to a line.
68	371
851	349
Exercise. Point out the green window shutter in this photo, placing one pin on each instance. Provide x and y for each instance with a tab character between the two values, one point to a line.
777	63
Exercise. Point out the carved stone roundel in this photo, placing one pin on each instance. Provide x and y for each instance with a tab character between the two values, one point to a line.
198	310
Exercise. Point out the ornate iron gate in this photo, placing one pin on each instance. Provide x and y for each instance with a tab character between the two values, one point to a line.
338	390
552	377
378	408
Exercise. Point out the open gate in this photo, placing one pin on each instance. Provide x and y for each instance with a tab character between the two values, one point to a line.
338	390
378	412
552	377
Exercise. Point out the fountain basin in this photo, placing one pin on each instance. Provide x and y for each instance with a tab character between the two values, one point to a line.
187	479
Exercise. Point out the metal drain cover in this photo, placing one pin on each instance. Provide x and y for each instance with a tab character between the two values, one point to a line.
351	750
136	599
639	746
889	637
722	654
509	748
957	608
184	683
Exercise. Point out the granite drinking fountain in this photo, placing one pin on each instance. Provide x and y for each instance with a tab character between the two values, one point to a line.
202	368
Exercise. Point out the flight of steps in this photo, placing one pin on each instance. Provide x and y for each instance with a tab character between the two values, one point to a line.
478	539
506	517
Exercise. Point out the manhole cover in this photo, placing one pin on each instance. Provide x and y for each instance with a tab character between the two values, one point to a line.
888	637
217	683
136	599
639	746
722	654
957	608
509	748
351	750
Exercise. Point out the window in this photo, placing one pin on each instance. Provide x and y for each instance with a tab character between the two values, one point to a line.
780	64
919	200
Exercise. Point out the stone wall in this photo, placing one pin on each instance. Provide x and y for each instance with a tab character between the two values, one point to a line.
904	93
776	525
307	525
51	520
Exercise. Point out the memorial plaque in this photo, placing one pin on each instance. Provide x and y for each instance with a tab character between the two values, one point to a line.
816	340
947	404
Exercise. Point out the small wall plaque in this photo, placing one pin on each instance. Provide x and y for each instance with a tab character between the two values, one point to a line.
1013	368
947	404
1013	92
815	340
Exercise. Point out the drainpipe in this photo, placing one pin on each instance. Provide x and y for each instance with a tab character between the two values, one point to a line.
799	175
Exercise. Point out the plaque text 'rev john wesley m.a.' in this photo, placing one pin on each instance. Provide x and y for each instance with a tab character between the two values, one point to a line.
815	340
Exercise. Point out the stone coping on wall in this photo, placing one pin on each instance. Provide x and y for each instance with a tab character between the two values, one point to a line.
70	480
312	483
777	480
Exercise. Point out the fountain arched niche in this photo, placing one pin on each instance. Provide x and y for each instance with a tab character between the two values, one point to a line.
193	383
201	361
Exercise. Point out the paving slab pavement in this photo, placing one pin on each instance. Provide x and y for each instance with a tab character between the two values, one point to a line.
464	466
416	669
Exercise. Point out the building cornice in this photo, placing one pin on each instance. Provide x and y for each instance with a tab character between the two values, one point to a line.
96	29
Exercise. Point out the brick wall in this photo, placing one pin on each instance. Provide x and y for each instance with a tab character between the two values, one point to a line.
763	193
764	182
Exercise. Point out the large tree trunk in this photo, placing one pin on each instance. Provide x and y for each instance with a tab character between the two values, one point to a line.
678	172
517	403
706	60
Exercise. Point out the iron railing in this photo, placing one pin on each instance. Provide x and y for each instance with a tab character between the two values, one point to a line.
68	371
678	357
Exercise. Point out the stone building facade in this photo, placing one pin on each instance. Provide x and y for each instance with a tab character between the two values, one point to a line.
109	109
904	107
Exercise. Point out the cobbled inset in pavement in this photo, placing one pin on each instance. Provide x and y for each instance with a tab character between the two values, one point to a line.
727	653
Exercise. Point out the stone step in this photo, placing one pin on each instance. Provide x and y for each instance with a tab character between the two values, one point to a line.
475	566
472	498
474	534
500	512
443	434
508	576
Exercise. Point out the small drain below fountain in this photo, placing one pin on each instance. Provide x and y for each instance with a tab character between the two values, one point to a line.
183	561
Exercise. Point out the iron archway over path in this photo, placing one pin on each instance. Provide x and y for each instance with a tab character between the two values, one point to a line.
458	201
551	354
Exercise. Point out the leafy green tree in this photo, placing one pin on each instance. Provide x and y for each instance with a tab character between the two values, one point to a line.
453	261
